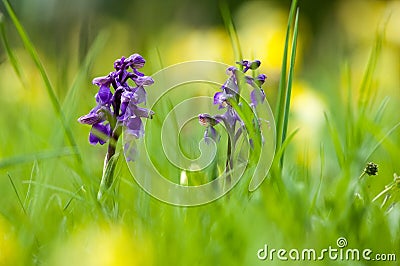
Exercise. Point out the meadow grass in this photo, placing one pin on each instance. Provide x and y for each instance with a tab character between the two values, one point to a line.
50	177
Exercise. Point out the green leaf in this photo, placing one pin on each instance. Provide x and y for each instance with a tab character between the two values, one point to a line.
108	176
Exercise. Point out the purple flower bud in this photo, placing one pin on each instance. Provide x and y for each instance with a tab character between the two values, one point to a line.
254	65
249	64
207	120
260	79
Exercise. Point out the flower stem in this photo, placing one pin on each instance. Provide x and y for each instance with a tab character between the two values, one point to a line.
109	163
229	164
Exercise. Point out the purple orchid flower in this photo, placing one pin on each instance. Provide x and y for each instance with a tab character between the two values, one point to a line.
118	102
230	91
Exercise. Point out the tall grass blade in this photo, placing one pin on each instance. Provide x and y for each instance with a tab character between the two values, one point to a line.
230	27
282	89
379	143
50	91
16	160
290	77
365	99
336	141
13	59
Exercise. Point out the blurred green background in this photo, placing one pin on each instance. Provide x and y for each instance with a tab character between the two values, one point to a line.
48	212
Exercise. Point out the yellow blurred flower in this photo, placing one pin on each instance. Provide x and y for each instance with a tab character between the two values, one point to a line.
104	245
10	249
307	114
184	44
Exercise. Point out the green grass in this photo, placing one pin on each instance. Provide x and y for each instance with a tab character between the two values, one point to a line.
50	214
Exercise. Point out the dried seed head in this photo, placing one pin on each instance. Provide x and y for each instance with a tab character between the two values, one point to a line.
371	169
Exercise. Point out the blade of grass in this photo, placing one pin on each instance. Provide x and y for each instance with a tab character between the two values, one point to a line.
381	110
336	141
16	193
13	59
282	89
55	188
394	128
16	160
277	159
34	172
321	177
50	91
290	77
365	99
230	27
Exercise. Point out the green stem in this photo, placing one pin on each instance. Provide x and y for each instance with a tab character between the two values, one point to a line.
109	163
229	162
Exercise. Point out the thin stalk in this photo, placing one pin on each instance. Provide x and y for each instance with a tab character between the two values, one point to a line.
229	163
109	163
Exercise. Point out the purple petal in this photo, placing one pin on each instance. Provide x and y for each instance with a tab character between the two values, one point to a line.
143	112
134	126
219	98
106	80
104	95
211	133
139	95
230	86
120	63
130	150
136	61
231	70
243	63
122	109
93	117
99	134
143	81
230	116
257	96
140	74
